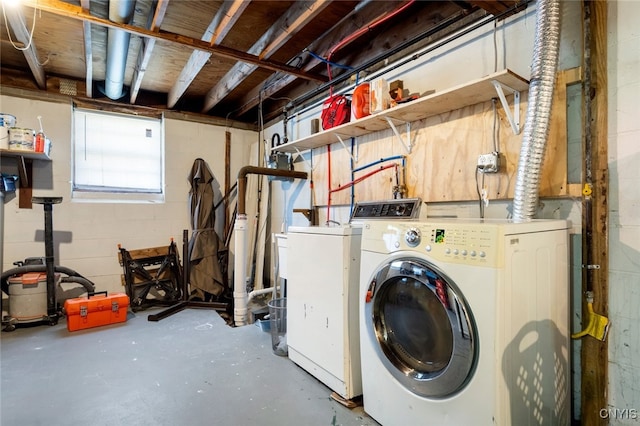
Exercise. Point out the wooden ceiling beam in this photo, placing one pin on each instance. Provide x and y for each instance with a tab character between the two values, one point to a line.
219	27
88	50
19	28
61	8
146	49
497	7
225	19
296	17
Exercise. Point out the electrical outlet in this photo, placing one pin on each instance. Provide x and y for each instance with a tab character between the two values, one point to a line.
489	163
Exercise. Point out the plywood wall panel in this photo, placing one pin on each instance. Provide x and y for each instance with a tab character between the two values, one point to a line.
444	153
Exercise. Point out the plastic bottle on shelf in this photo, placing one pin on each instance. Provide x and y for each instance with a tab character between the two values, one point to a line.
40	138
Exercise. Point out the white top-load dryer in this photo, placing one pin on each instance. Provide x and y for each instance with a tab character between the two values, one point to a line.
323	270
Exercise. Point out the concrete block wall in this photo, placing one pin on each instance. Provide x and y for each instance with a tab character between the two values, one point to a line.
87	233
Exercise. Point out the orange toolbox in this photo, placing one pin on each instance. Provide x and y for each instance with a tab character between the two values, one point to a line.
95	310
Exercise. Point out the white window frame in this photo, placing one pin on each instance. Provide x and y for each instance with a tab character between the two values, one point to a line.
104	191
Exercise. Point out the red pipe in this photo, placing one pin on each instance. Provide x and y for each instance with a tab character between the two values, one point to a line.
354	182
361	178
341	44
361	31
328	180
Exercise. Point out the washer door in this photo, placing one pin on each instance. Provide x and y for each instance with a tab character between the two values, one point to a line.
421	327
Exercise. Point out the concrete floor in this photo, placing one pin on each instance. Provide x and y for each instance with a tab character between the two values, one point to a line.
187	369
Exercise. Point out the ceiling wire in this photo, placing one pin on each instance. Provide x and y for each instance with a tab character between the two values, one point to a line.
33	27
28	46
273	79
369	27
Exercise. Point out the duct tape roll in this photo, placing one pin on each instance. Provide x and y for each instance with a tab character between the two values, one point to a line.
7	120
4	138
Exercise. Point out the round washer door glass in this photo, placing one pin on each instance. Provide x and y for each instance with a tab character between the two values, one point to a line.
425	333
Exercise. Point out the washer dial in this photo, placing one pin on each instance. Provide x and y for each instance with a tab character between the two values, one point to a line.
412	237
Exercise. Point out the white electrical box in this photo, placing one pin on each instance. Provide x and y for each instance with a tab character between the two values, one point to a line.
489	163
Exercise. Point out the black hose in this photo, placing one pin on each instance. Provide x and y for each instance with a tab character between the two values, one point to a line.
88	285
73	276
275	140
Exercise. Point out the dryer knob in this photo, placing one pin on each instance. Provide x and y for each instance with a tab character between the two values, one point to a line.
412	237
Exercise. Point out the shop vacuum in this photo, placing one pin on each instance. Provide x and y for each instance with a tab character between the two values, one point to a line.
32	286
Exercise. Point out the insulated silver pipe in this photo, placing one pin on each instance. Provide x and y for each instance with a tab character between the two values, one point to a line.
536	128
120	11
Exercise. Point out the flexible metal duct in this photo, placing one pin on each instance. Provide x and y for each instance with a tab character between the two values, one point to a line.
536	128
120	11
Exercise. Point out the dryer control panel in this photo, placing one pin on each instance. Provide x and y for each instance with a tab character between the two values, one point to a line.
405	208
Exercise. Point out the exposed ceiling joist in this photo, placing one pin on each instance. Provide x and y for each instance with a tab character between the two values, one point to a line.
357	19
282	30
88	50
226	18
75	12
23	35
226	55
146	49
219	27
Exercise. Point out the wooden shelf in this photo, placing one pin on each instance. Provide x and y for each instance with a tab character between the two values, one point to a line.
471	93
24	154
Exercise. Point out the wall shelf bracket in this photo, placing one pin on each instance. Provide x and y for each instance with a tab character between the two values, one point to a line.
514	118
353	157
301	156
308	213
407	143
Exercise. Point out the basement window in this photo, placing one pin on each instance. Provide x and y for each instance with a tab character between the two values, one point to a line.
117	157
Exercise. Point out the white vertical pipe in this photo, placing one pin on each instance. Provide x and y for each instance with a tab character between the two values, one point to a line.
240	273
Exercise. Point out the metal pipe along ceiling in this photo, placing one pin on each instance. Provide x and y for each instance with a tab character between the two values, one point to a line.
536	128
120	11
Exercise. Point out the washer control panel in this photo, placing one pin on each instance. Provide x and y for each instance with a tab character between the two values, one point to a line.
464	244
468	243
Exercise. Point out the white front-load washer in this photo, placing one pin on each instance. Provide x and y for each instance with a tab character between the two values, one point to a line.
465	322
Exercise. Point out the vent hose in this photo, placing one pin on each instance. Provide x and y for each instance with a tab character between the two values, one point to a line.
536	128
